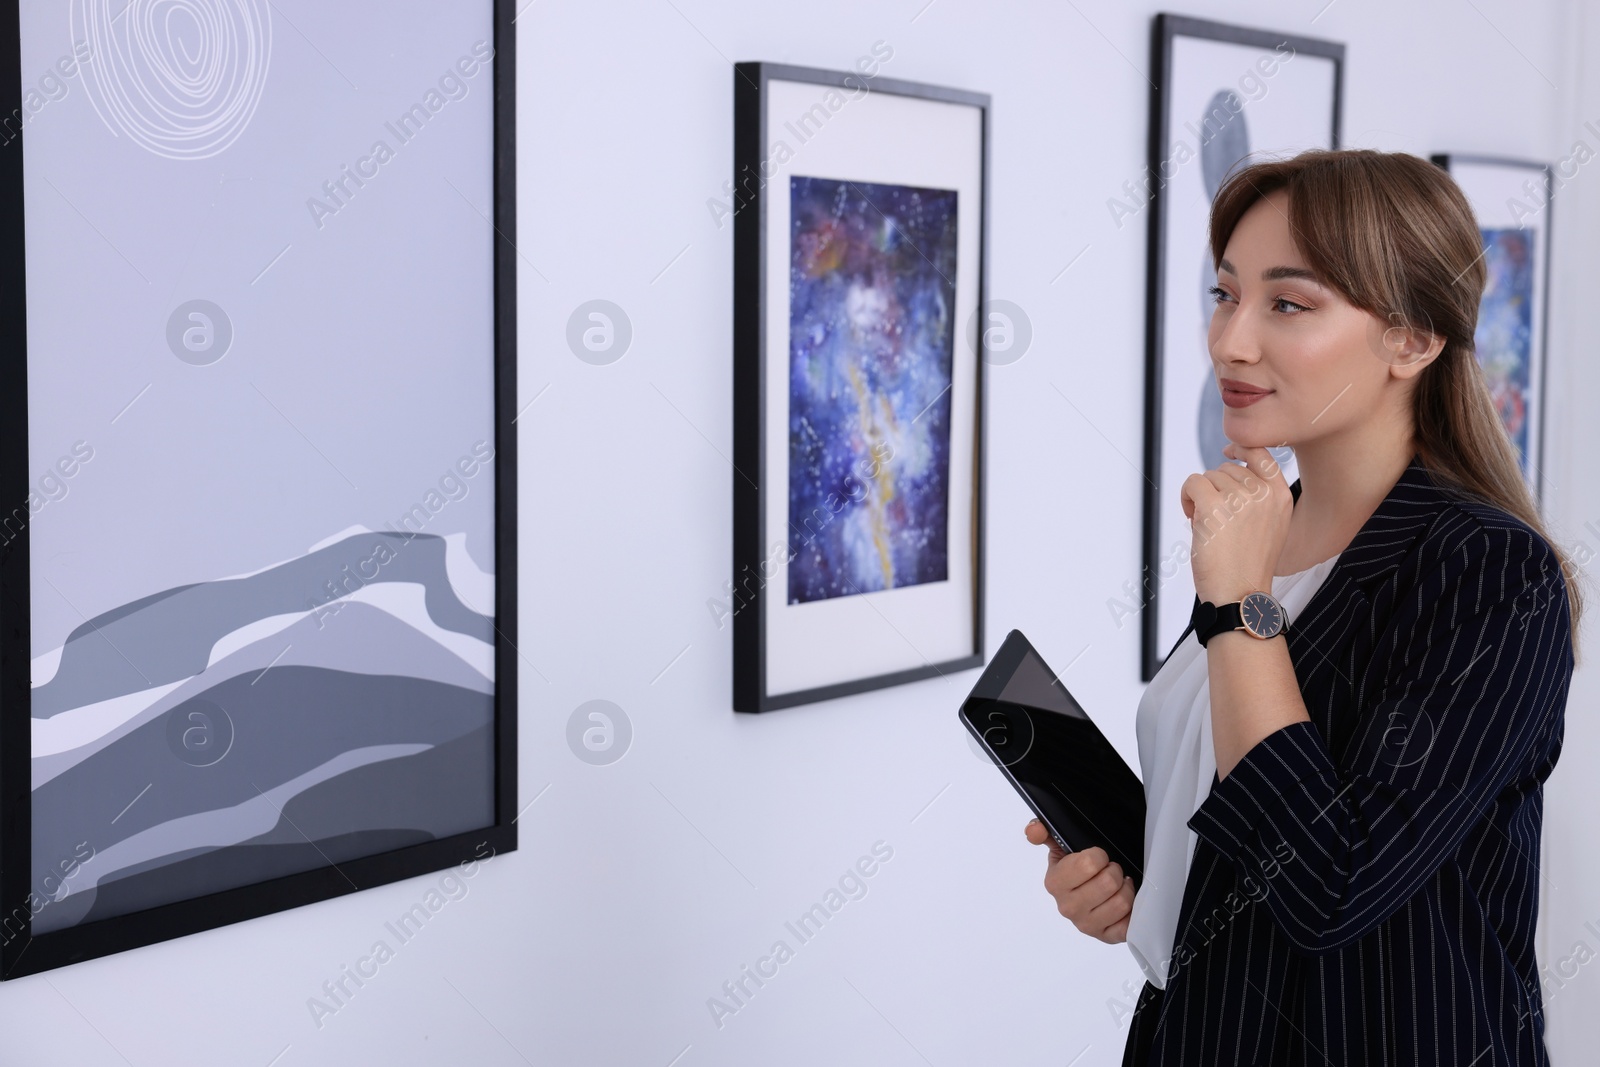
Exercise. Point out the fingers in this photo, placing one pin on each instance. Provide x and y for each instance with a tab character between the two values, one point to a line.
1080	886
1258	459
1207	491
1114	907
1232	473
1039	834
1072	871
1094	884
1094	907
1188	494
1112	916
1087	886
1258	463
1204	491
1228	477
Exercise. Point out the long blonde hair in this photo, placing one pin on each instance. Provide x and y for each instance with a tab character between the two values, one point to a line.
1396	236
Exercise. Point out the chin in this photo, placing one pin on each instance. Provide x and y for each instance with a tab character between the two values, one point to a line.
1250	436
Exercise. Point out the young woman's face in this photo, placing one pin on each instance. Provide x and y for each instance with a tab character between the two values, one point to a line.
1277	328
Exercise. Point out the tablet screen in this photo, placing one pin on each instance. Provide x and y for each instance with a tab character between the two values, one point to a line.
1056	757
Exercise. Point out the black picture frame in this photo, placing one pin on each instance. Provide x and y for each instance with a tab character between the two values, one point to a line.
23	953
1165	28
749	589
1541	352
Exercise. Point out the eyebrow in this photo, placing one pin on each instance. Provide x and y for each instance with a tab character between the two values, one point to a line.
1272	274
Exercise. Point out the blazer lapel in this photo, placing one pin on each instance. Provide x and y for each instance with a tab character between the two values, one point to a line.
1353	592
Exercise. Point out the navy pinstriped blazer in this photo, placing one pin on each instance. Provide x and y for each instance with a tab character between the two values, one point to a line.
1365	885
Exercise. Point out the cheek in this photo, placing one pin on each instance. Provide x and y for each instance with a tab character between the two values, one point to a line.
1333	359
1351	349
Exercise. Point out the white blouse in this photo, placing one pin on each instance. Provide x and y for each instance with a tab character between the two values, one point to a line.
1178	762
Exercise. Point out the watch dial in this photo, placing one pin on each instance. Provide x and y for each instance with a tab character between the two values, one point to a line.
1261	615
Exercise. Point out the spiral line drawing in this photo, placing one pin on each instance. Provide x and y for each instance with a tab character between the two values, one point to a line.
182	78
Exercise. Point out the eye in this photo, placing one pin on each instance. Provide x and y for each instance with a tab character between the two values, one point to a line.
1286	302
1218	293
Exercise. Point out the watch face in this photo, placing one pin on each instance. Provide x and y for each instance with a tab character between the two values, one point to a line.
1261	615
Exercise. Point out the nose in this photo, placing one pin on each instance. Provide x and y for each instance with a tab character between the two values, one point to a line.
1233	337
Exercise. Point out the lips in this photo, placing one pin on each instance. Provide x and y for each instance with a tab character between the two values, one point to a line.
1237	394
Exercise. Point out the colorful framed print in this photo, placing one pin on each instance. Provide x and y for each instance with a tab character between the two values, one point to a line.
858	382
257	562
1512	201
1223	97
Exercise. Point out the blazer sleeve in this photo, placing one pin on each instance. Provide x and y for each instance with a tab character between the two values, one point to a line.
1473	671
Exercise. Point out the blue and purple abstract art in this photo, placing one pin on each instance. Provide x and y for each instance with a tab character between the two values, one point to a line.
1504	337
871	337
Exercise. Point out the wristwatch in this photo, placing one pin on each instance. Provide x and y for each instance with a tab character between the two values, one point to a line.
1259	614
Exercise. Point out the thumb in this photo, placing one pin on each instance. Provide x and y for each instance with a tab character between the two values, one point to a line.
1056	851
1040	834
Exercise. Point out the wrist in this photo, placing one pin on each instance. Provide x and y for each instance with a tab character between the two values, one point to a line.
1254	610
1241	637
1234	591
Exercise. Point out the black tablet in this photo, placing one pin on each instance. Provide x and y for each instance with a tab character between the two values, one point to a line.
1053	754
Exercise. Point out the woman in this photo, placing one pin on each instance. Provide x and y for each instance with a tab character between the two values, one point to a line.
1342	839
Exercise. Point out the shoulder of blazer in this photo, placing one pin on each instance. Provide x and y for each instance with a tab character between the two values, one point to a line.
1420	522
1428	541
1459	518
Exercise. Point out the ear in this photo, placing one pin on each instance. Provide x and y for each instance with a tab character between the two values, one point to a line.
1408	349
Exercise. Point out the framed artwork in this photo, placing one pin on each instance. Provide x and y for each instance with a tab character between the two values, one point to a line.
1512	201
1223	97
858	382
257	567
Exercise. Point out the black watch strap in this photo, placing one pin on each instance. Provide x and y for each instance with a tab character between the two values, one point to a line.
1212	619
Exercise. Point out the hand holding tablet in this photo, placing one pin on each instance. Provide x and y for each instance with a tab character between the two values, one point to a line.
1089	888
1085	796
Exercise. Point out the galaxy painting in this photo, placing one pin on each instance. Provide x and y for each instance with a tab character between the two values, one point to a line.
1504	337
871	334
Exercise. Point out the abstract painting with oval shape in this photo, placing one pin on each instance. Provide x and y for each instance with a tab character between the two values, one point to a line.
1222	97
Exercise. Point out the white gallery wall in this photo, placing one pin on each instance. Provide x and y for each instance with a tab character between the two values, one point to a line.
642	886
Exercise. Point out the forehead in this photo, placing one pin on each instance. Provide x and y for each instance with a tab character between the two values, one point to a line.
1263	237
